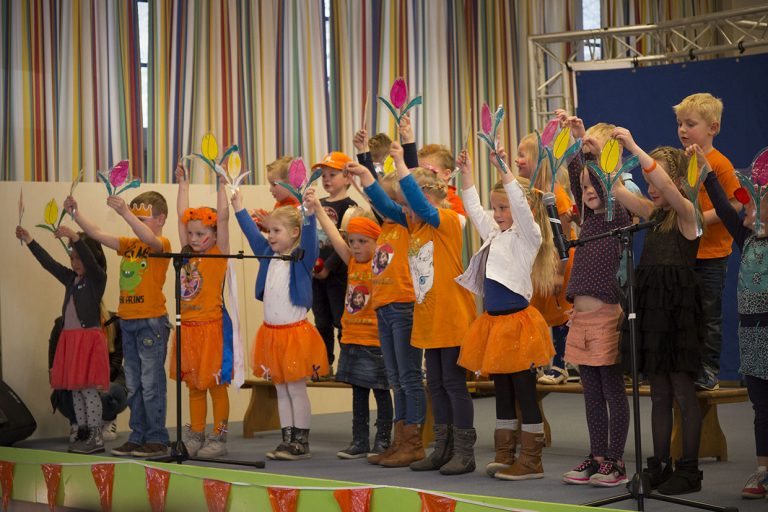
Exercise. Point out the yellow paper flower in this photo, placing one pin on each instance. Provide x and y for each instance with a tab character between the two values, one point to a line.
693	170
234	164
210	147
609	158
51	212
561	142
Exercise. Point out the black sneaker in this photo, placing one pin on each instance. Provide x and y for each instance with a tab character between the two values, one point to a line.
707	381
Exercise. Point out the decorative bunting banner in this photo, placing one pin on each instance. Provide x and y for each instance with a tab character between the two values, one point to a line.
157	487
354	500
435	503
6	479
283	500
216	494
52	475
104	476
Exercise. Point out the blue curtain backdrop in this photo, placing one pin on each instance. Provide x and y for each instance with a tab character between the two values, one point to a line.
641	99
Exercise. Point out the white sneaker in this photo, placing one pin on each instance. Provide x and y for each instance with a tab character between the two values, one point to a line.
215	446
553	376
610	474
193	441
109	431
581	474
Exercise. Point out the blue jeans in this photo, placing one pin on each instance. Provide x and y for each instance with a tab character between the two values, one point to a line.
113	402
711	273
402	361
145	343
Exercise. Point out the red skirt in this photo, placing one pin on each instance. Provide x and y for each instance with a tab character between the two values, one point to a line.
81	360
287	353
202	345
507	343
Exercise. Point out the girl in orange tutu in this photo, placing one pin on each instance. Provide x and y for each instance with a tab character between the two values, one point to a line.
288	349
511	339
81	362
206	357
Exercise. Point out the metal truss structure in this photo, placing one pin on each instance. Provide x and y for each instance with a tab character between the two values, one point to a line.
553	58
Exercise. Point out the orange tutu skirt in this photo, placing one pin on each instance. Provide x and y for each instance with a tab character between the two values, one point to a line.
202	345
81	360
287	353
507	343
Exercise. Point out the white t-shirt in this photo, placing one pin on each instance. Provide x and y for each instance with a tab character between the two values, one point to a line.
278	309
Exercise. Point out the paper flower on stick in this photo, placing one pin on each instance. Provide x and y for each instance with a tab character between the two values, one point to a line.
298	182
756	188
490	127
555	146
693	179
606	171
209	151
52	220
398	103
116	177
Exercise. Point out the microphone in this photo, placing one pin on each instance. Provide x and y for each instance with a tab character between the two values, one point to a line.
561	243
296	255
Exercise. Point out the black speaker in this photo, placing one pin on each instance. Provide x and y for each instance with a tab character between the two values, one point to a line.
16	422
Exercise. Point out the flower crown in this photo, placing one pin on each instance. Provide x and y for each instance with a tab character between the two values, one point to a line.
204	214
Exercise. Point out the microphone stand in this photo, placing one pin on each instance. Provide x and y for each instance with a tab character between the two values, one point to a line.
639	487
179	453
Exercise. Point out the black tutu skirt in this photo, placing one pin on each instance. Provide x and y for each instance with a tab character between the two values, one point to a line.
670	330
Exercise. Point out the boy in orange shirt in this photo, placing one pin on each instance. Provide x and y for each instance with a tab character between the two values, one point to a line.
144	318
698	121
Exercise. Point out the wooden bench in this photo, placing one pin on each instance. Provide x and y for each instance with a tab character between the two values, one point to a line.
262	414
713	442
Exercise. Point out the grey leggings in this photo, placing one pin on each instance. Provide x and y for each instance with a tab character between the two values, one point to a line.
87	405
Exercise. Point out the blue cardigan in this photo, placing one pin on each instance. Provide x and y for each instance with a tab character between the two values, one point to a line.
416	200
300	286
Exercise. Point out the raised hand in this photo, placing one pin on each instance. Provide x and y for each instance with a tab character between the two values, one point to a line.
118	204
66	231
360	141
396	152
70	205
625	137
23	234
406	130
237	200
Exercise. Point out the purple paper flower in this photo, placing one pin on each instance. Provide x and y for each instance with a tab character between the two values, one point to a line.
760	168
549	131
119	173
399	93
297	173
486	121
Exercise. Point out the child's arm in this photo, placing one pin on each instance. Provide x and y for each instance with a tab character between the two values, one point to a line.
722	206
90	229
222	217
410	154
141	230
379	199
59	271
92	269
256	240
339	245
661	180
309	237
518	203
182	203
637	205
413	194
483	221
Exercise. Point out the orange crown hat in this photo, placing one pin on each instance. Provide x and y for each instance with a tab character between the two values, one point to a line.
204	214
142	210
364	226
334	160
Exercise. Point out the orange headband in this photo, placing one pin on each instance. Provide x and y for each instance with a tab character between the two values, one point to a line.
364	226
204	214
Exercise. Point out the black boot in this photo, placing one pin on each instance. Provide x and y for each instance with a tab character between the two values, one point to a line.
686	478
383	436
658	471
360	445
441	454
298	448
283	446
463	460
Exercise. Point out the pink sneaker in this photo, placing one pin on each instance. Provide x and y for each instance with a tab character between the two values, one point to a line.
581	474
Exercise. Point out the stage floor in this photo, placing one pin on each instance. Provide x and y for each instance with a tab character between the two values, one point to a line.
722	480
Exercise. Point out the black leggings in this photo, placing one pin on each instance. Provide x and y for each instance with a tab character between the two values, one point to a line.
447	384
361	411
665	389
520	386
758	395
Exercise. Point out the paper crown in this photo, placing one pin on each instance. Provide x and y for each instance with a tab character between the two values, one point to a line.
141	210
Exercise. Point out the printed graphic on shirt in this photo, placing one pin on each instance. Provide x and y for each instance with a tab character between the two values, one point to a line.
131	273
422	264
191	280
357	298
322	239
382	258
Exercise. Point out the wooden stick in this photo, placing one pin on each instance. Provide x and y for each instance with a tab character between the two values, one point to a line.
365	111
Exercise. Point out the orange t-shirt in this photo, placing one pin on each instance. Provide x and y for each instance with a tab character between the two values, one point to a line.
141	280
555	308
358	324
444	309
202	283
391	276
457	204
716	242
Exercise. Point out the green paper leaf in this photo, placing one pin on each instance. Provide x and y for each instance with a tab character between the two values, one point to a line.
391	109
45	226
229	150
133	184
629	164
106	182
487	140
312	178
290	189
415	101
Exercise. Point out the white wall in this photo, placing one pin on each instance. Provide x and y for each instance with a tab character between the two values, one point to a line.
30	298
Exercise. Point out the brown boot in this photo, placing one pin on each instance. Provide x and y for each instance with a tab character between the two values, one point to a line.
375	458
411	449
505	443
528	465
